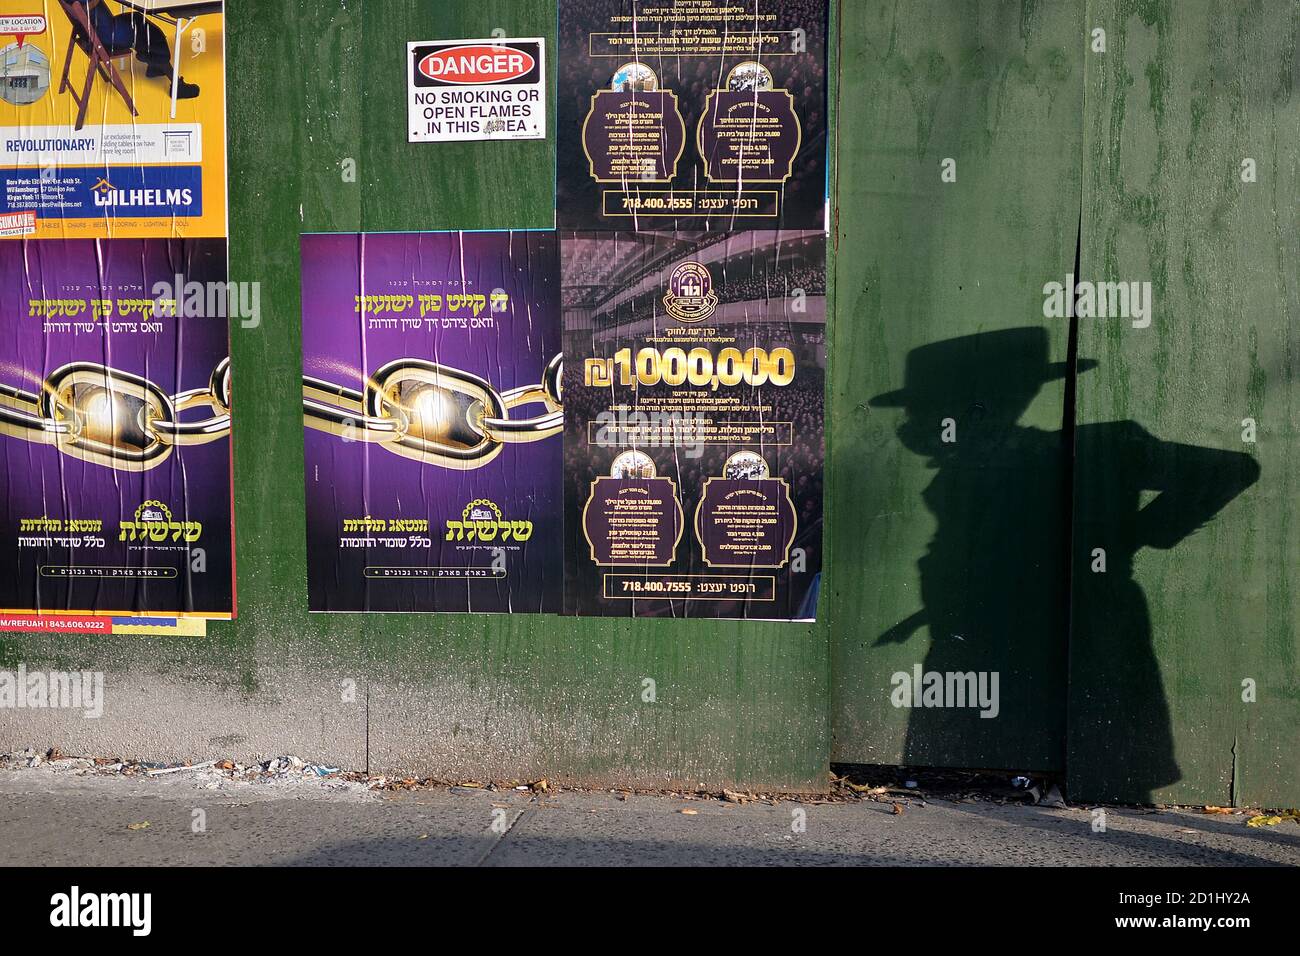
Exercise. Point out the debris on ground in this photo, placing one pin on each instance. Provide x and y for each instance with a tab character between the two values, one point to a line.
900	788
1273	819
863	788
197	766
211	774
1052	798
914	786
1032	788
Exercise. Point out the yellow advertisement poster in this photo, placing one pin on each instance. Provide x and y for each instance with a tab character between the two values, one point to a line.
112	119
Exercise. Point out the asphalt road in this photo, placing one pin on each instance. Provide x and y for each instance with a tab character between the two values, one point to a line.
61	818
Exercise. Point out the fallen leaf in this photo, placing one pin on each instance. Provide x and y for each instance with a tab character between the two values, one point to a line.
898	809
138	826
689	812
867	788
1268	820
1217	810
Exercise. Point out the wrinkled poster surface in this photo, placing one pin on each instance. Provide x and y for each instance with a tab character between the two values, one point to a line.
431	385
114	430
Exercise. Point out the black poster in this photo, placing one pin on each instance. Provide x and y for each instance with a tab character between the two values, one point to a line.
709	115
694	401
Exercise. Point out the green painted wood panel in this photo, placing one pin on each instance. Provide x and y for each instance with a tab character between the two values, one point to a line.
1199	592
470	696
950	556
313	87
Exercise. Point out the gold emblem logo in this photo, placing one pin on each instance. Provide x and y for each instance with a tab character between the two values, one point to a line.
690	297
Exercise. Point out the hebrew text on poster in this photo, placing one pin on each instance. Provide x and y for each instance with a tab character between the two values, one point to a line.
431	399
709	115
694	423
115	415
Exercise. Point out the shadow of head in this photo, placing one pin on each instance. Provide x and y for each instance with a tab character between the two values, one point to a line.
989	378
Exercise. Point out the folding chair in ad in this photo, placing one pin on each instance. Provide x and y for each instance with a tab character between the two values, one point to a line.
101	59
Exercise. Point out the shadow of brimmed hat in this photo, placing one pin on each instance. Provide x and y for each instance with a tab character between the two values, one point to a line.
1008	360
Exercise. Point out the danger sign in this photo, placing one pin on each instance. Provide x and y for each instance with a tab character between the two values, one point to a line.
476	89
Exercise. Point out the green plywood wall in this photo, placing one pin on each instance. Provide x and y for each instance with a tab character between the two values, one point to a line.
490	695
951	555
1183	95
1136	149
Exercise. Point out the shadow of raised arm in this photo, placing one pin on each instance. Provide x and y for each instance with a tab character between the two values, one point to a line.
1194	484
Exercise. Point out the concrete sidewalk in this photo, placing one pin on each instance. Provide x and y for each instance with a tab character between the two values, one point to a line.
61	818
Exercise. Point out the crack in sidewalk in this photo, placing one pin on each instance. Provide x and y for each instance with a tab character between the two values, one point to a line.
519	815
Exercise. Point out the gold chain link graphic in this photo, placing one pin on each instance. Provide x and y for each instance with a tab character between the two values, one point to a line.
435	413
114	418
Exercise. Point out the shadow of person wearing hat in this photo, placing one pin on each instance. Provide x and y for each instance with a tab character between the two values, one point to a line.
994	578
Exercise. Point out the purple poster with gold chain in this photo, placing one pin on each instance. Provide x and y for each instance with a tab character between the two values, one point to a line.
115	415
431	404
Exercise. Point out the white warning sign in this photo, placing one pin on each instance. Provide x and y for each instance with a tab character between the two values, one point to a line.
476	89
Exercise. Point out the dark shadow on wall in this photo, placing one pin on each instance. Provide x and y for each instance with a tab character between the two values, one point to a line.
995	579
